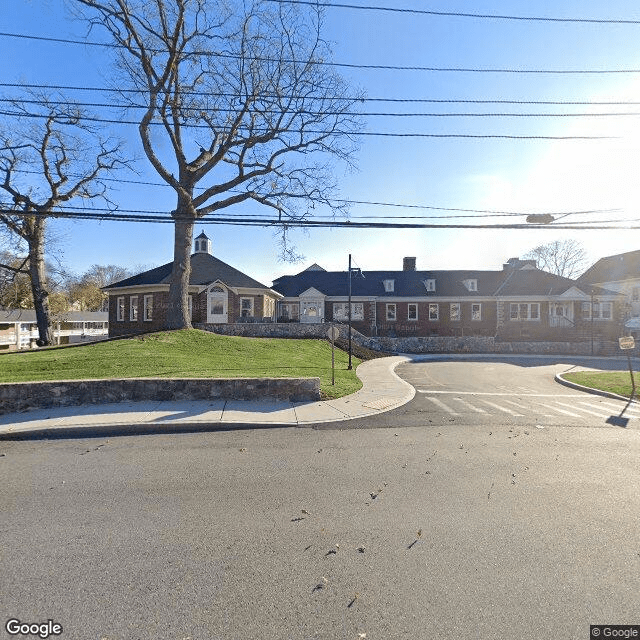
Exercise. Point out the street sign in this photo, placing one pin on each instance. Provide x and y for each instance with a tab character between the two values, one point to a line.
627	342
333	333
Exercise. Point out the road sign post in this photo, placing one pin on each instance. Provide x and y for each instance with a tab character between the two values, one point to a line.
626	343
334	334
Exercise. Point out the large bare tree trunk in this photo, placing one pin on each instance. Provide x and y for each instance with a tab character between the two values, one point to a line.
177	316
39	285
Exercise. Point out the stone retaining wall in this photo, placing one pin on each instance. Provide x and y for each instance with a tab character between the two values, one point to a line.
22	396
274	329
433	344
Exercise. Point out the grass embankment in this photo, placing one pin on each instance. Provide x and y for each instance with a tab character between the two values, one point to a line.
612	381
187	354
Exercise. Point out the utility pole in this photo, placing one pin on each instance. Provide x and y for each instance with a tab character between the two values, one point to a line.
349	313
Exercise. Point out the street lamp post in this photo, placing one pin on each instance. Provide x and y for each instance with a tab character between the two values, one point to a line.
593	301
349	313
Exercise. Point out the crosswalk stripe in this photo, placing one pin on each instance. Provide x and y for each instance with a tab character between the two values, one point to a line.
497	406
593	413
532	406
563	411
635	413
443	406
607	409
470	406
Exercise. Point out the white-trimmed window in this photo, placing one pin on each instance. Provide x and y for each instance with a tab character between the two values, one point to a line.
133	308
341	311
476	311
412	311
524	311
454	311
434	311
601	310
389	285
246	307
120	309
148	308
391	312
289	311
430	284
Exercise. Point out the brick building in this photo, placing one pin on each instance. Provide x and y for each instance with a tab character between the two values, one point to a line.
218	294
518	302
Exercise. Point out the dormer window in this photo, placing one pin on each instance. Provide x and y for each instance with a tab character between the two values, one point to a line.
430	285
471	285
389	285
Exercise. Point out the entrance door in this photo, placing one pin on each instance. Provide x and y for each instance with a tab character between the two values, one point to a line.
217	310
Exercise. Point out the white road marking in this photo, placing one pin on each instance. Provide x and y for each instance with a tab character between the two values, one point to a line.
618	407
470	406
593	413
509	411
519	406
563	411
443	406
493	393
607	409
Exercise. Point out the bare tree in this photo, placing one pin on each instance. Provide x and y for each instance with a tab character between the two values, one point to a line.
565	258
238	92
50	157
86	292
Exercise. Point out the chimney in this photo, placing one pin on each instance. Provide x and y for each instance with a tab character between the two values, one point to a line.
513	264
409	264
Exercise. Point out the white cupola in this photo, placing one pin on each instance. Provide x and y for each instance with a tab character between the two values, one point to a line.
203	244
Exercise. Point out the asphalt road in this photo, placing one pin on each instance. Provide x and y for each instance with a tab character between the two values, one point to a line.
452	529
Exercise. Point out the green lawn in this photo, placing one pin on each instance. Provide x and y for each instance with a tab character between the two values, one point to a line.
613	381
186	354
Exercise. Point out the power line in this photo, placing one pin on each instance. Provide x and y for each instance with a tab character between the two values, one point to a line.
460	14
489	213
384	114
344	65
468	136
302	222
358	99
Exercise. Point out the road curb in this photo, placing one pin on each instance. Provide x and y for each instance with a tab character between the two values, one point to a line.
597	392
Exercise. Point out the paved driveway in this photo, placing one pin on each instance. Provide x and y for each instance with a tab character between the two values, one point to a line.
510	391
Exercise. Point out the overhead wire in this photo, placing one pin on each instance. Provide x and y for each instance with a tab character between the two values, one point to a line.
362	99
346	65
303	222
386	114
462	14
489	213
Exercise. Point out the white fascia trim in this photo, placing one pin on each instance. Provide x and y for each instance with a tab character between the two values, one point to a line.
436	299
246	291
139	288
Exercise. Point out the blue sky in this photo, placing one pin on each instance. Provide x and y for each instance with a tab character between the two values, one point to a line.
491	174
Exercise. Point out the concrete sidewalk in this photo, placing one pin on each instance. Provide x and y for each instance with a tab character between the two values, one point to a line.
382	391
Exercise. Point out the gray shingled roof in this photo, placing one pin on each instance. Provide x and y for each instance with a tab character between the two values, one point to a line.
406	283
612	268
29	315
205	269
519	282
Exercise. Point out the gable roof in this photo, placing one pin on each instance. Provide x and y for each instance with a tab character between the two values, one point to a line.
205	269
526	281
533	282
622	266
406	283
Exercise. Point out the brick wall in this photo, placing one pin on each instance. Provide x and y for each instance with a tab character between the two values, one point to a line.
160	301
443	326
